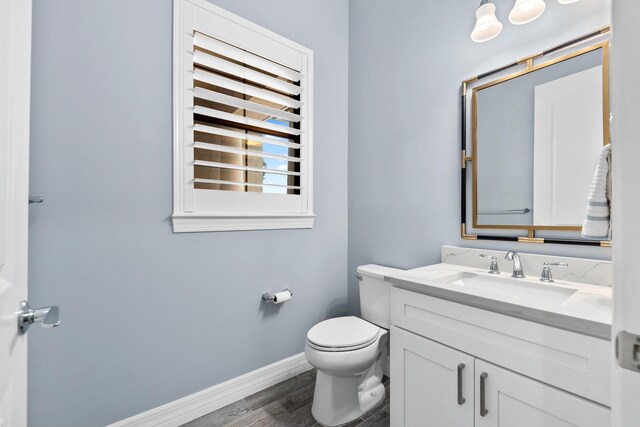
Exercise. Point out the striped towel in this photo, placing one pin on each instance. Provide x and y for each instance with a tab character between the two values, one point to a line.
597	222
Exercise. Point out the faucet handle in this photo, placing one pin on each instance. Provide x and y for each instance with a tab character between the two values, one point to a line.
546	275
493	268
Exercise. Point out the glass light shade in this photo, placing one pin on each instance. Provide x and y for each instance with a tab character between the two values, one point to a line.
525	11
487	25
567	1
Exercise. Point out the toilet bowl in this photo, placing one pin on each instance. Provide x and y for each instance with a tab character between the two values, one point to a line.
349	378
348	353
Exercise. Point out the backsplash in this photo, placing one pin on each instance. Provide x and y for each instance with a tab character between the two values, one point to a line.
580	270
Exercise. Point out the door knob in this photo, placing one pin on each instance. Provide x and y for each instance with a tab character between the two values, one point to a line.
48	317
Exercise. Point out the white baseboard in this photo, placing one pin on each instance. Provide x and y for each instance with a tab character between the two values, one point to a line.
181	411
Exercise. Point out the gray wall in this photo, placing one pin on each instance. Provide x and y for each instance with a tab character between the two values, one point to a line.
150	316
406	62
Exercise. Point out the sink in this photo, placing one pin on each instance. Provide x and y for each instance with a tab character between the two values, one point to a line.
515	290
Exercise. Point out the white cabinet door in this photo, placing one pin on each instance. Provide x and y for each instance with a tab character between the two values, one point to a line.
432	384
506	399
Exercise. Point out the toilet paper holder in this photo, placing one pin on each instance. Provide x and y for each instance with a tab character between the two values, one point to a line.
267	296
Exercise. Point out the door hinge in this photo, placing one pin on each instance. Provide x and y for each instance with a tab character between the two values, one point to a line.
628	351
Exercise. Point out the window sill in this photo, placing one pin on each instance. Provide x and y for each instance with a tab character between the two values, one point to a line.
193	223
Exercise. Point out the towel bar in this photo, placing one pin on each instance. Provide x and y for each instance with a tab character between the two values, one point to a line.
506	211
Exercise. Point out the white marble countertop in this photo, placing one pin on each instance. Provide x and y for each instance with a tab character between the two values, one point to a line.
587	311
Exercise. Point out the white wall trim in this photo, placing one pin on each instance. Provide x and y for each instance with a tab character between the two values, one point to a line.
189	223
178	412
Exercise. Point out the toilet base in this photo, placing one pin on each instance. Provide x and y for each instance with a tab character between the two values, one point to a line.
339	400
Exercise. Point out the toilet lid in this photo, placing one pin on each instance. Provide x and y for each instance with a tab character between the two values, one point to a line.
341	332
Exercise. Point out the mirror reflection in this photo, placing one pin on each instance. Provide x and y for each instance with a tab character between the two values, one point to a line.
536	136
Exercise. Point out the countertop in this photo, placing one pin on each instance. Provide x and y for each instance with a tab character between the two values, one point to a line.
587	311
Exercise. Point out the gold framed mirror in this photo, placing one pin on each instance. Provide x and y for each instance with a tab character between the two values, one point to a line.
536	128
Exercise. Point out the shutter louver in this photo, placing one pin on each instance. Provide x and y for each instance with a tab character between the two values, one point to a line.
247	121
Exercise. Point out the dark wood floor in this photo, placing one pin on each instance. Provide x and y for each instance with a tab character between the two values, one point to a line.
285	404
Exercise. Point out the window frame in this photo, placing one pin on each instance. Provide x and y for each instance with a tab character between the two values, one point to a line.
251	212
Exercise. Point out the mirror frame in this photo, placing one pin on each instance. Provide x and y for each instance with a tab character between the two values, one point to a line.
531	65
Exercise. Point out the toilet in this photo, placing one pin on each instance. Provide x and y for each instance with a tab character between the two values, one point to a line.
349	353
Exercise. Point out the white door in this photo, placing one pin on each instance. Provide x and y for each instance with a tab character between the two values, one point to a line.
506	399
567	137
625	146
432	384
15	59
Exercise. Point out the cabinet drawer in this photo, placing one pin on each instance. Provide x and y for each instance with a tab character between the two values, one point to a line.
569	361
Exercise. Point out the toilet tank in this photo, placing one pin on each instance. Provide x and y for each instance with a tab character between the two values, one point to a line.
375	294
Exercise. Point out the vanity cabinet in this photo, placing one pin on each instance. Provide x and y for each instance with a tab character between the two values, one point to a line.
434	385
450	362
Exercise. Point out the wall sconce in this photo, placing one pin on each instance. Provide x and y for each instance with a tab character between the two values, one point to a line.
487	24
524	11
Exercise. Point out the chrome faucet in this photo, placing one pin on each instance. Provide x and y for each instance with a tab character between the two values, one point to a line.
517	265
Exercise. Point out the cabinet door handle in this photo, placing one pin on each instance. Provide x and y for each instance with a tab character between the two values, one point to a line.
483	406
461	399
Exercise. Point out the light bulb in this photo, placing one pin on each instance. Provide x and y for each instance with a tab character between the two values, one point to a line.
487	25
525	11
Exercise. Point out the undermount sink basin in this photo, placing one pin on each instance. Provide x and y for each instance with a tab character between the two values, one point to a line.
513	289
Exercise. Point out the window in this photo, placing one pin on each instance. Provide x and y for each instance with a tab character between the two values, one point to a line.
242	124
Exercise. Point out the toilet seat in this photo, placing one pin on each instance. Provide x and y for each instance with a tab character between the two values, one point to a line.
342	334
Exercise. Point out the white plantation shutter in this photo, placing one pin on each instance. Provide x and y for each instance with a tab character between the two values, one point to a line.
242	101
